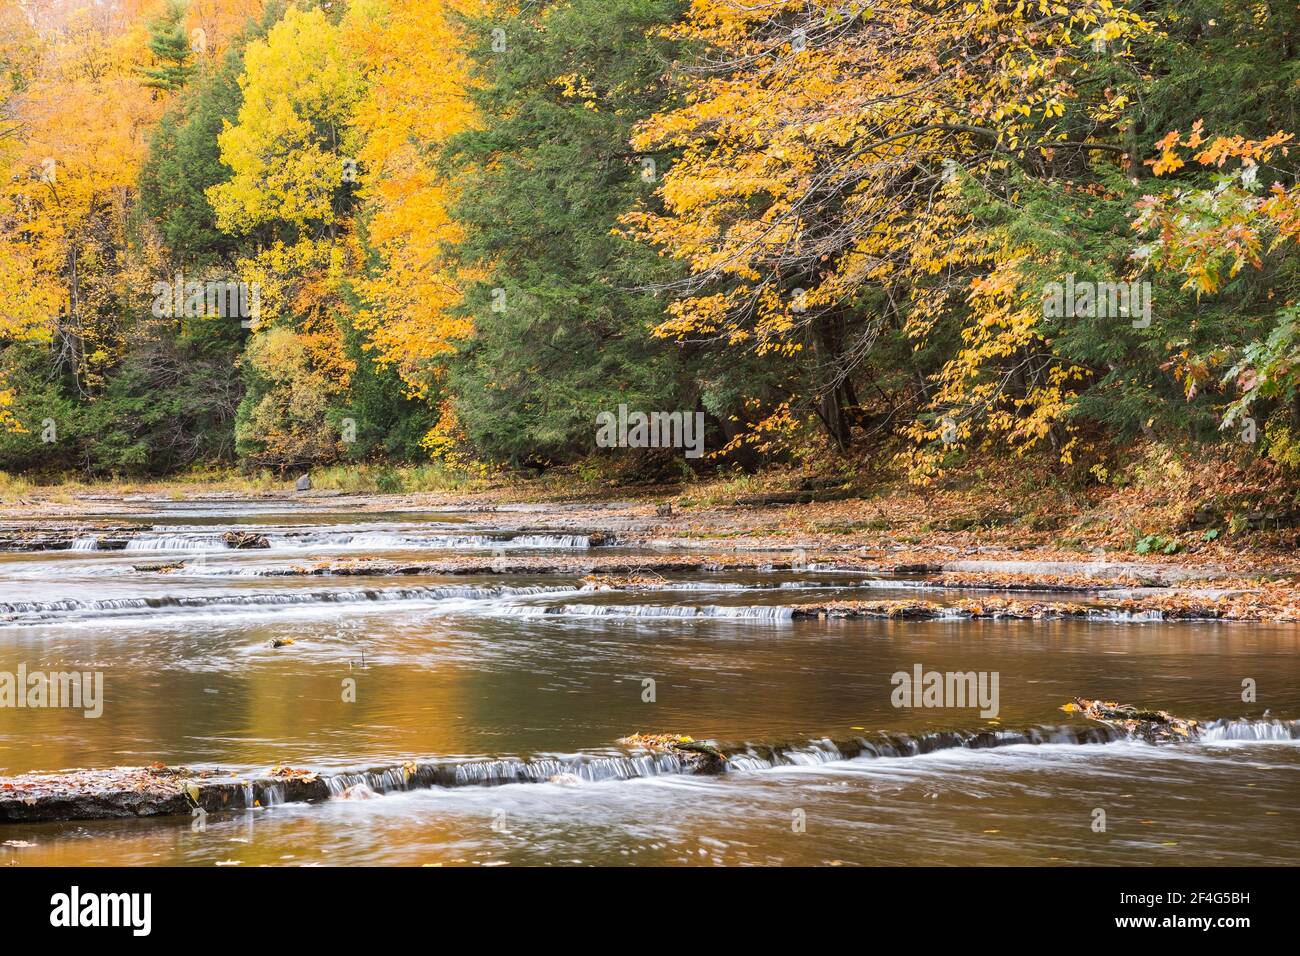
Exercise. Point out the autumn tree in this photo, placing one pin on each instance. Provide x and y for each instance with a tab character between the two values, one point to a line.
1228	234
291	155
413	104
214	26
63	211
822	199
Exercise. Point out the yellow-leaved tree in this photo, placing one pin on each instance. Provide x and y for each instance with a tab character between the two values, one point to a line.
292	153
819	197
73	139
411	54
213	24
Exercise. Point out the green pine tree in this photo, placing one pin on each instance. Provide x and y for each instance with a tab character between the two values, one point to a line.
562	326
170	45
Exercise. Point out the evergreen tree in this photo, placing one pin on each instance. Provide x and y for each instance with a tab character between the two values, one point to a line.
170	45
562	330
184	160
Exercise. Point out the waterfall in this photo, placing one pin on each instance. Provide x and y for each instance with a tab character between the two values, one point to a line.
44	611
748	613
177	542
119	791
1255	730
292	540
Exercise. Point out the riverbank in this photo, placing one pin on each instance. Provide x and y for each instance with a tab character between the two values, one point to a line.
645	554
1163	508
1003	533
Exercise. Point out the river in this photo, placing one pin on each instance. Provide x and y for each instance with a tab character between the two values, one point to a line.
514	676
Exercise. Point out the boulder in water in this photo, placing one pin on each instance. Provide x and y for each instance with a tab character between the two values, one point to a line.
242	540
303	483
696	757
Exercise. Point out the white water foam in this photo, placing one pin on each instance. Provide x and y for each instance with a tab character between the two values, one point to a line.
688	611
294	541
43	612
1255	731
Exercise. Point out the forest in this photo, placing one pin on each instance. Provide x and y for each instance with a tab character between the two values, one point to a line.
910	232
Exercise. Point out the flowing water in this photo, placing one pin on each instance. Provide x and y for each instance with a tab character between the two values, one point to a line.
515	687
